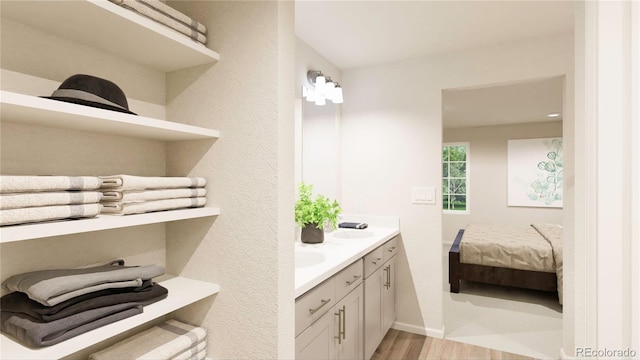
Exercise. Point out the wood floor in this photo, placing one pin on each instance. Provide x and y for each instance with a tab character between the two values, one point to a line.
400	345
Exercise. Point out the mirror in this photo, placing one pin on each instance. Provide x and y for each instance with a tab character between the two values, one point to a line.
320	147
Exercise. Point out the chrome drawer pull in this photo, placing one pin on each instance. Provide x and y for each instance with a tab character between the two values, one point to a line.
324	302
392	249
355	277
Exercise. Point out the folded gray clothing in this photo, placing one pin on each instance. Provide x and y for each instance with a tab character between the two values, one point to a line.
164	341
132	182
171	12
146	195
33	333
18	302
31	199
48	213
159	17
123	208
18	183
51	287
193	351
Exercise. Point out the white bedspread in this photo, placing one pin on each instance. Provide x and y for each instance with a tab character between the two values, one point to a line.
536	247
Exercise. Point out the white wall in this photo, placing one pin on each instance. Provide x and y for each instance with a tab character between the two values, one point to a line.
248	249
319	127
488	176
392	138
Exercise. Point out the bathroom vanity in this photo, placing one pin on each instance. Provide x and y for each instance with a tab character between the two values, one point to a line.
345	292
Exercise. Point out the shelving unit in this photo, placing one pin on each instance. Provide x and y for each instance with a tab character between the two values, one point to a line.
106	27
33	110
101	222
182	292
103	25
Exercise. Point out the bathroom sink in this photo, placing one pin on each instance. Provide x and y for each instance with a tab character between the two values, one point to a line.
306	258
352	234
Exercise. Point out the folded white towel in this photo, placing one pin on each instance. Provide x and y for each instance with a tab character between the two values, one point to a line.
193	351
120	208
24	200
146	195
46	213
169	11
19	184
159	342
131	182
159	17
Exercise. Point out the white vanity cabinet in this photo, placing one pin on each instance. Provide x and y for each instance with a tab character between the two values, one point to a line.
329	317
379	294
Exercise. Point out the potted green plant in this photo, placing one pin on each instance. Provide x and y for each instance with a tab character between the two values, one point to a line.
313	214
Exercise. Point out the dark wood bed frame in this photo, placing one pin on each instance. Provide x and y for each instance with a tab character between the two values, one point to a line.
535	280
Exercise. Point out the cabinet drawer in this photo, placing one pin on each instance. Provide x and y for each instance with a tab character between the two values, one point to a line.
373	260
348	279
313	304
390	248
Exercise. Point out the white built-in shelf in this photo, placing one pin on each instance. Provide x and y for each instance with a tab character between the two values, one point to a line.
182	292
34	110
101	222
103	25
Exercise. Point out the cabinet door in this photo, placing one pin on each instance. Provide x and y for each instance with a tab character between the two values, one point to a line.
389	294
373	312
317	341
349	326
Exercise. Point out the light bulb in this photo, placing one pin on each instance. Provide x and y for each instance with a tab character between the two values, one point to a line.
329	90
320	100
320	84
337	95
311	95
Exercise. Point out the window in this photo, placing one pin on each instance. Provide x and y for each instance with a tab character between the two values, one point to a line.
455	177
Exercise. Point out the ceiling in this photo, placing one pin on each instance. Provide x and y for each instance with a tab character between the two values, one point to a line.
356	34
522	102
353	34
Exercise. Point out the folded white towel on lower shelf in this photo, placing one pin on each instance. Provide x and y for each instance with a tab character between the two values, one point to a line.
46	213
126	208
32	183
24	200
146	195
193	352
164	341
132	182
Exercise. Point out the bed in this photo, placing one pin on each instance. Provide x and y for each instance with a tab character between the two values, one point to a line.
524	256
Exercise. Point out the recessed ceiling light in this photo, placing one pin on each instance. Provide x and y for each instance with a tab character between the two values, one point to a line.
553	115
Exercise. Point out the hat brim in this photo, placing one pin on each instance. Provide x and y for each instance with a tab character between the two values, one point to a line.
89	103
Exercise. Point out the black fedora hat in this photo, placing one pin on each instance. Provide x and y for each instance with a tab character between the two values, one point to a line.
92	91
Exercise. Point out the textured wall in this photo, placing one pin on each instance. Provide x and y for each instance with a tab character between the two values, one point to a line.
488	175
393	121
250	173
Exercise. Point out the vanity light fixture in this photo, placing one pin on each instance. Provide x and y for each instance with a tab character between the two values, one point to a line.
322	89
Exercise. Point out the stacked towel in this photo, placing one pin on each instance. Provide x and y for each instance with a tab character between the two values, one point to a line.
170	340
27	199
168	16
50	306
128	194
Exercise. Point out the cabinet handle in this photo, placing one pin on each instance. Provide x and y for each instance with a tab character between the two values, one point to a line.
386	283
344	322
376	261
355	277
392	249
324	302
342	327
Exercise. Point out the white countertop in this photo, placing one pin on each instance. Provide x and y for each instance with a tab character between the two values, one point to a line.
339	253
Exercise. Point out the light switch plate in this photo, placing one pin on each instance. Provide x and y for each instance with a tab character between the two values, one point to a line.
423	195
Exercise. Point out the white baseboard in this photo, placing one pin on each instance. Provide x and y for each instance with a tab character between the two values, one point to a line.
420	330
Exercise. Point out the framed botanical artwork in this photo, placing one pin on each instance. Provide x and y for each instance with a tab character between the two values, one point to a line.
534	170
